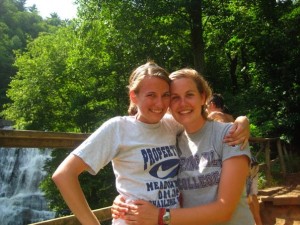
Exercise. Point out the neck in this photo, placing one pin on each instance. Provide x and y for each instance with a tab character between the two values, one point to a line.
193	128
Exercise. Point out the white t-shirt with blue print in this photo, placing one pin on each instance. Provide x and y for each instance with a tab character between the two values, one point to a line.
144	158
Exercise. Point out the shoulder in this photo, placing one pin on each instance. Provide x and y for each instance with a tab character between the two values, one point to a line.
120	119
228	118
217	116
115	122
171	123
220	128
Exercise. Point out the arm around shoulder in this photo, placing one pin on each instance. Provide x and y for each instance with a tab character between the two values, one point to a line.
239	132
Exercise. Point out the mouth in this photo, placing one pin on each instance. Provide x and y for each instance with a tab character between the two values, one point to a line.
184	112
157	111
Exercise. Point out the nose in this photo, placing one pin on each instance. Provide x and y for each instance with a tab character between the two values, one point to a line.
159	102
182	101
162	101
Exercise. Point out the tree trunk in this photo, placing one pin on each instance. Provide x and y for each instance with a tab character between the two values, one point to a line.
244	70
197	35
233	65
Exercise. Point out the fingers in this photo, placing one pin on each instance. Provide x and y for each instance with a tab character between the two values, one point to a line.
118	212
233	129
244	144
124	213
119	207
238	134
131	217
140	202
119	200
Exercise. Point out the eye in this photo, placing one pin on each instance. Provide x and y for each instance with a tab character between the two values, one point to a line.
150	95
190	94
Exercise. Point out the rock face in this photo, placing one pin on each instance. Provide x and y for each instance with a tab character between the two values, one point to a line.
21	201
281	205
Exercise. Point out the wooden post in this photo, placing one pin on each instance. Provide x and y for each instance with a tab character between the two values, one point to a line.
268	163
281	159
285	152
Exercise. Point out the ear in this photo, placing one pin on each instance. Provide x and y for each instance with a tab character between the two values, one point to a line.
203	99
132	97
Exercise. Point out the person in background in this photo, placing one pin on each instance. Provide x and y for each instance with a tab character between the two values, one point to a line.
211	174
141	147
217	110
252	191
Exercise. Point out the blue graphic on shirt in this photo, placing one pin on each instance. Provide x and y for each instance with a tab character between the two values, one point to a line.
153	155
162	163
165	169
194	162
201	176
158	159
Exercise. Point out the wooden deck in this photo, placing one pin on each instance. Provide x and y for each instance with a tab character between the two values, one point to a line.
280	205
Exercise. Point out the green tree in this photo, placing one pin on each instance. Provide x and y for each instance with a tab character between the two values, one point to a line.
17	26
75	78
99	189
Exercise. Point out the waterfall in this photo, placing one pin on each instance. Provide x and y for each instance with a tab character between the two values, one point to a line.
21	200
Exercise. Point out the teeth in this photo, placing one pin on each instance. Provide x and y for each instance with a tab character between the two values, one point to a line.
185	111
156	111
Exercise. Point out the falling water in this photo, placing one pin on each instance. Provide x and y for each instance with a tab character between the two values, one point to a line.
21	200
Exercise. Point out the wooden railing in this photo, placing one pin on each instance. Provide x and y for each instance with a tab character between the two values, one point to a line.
265	145
40	139
103	214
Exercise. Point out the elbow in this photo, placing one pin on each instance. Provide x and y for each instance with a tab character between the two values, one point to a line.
57	178
227	215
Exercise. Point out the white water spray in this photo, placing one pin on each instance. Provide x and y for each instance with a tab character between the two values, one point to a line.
21	200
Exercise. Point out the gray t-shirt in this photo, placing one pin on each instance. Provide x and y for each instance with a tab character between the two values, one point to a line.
201	156
144	158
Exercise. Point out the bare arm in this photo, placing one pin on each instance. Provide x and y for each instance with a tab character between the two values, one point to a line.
239	132
66	179
230	189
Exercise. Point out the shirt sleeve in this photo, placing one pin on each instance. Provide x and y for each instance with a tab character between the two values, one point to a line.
231	151
100	147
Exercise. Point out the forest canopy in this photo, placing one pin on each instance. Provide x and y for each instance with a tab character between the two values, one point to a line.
70	76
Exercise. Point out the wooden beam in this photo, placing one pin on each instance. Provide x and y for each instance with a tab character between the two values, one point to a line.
102	214
261	139
40	139
46	139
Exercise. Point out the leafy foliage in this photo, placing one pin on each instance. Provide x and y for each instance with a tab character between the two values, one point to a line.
99	189
73	76
17	25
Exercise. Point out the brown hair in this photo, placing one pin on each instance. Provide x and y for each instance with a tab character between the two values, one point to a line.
148	69
202	85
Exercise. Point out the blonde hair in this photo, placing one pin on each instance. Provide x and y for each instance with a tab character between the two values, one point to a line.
146	70
202	85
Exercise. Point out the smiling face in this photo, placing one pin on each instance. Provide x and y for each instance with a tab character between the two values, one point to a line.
186	104
152	99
